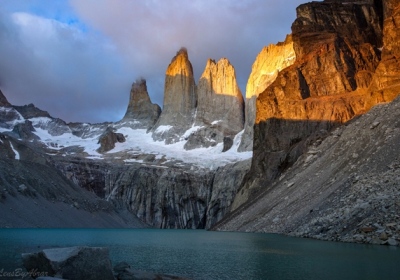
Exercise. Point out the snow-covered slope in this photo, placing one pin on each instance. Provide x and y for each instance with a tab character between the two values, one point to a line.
59	138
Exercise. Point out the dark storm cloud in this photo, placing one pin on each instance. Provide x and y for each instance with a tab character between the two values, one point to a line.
77	59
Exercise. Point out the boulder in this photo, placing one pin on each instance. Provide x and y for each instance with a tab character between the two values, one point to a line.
228	143
108	139
71	263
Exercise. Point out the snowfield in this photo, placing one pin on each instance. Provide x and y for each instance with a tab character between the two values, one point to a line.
212	157
137	142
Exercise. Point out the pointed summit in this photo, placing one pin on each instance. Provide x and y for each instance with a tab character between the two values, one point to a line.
220	106
3	100
179	91
140	108
219	96
179	99
269	62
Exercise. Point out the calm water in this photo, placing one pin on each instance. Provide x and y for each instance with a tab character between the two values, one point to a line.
214	255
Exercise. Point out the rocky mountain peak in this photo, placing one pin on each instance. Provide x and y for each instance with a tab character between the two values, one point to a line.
31	111
140	109
3	100
337	60
219	96
269	62
180	99
220	105
220	78
180	64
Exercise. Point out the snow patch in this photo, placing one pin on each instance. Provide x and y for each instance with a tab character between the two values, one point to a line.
138	141
163	128
15	151
133	160
40	121
90	145
190	131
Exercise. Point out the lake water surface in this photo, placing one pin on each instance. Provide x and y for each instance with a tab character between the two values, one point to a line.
199	254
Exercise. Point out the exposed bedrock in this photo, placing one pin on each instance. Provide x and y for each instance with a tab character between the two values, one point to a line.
331	81
220	105
179	196
141	113
269	62
180	100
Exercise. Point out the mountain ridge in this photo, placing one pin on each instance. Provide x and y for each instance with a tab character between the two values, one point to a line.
307	100
300	163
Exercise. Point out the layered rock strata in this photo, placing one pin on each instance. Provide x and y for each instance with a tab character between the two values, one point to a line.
269	62
180	100
220	105
141	113
172	196
330	83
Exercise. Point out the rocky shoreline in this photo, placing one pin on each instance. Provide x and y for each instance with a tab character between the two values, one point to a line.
89	263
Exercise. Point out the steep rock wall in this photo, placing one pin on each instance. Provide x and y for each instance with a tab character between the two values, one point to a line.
220	105
181	196
180	100
141	113
329	84
269	62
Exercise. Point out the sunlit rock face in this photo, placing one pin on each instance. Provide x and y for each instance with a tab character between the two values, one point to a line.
269	62
141	113
220	105
331	56
339	73
219	96
386	81
180	100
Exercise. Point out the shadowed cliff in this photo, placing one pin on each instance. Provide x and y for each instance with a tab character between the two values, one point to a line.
307	178
333	79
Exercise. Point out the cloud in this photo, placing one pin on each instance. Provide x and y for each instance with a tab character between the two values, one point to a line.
74	75
77	59
150	32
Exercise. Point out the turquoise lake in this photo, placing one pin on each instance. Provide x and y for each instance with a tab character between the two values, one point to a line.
199	254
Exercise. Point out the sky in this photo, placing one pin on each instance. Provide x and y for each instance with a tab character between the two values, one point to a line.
77	59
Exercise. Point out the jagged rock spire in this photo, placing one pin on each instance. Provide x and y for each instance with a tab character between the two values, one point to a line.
180	99
269	62
140	107
219	96
3	100
220	106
